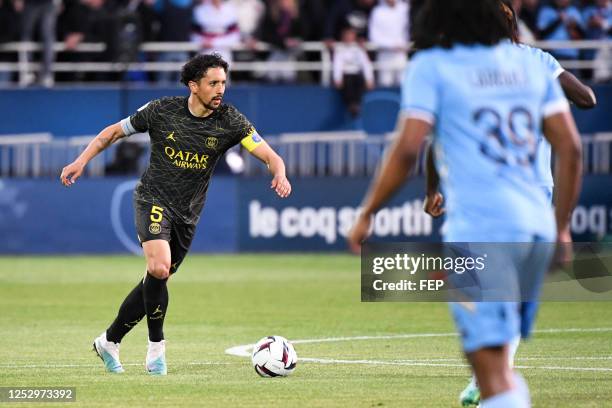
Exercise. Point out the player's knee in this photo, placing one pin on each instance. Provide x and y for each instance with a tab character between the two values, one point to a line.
159	270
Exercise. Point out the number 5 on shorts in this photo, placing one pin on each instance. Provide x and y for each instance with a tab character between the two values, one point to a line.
156	214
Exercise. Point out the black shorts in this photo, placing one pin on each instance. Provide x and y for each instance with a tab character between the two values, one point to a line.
154	221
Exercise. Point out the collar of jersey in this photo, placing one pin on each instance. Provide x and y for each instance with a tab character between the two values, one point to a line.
186	105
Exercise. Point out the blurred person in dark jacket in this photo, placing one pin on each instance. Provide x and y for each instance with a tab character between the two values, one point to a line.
100	21
10	23
41	15
281	28
355	13
175	18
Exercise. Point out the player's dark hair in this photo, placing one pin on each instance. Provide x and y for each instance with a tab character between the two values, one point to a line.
508	9
445	23
195	69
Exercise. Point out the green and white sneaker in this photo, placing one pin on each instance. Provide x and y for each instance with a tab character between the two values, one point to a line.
109	353
156	358
470	395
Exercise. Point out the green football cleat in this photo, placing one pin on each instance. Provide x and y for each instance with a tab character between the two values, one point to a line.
470	395
109	353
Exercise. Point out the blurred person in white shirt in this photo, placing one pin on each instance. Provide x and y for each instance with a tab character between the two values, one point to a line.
352	70
388	31
217	28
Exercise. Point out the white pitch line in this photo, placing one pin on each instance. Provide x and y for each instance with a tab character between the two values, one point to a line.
387	337
245	351
442	360
194	363
564	368
424	364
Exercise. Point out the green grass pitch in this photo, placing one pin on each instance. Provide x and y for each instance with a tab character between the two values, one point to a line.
51	308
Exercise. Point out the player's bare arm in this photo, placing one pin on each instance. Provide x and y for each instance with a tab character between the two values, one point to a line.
104	139
561	132
275	164
396	167
577	92
433	204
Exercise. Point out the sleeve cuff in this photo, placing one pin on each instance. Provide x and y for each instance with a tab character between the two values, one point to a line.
554	107
421	114
558	72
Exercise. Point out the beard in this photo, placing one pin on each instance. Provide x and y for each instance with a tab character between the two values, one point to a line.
210	105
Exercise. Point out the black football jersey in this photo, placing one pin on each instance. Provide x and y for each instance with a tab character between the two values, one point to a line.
184	151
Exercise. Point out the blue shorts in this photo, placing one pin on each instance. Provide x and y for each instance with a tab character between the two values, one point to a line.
495	323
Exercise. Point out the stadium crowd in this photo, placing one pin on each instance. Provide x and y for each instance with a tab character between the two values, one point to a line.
221	25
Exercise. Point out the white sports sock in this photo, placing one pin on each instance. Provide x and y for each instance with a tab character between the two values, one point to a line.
473	382
513	348
156	349
518	397
106	343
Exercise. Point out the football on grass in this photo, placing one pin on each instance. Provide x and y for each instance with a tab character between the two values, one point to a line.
274	356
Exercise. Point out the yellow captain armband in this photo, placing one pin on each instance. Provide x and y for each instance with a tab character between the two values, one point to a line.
252	140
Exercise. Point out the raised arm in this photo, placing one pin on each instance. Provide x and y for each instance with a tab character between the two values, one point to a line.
275	164
577	92
105	138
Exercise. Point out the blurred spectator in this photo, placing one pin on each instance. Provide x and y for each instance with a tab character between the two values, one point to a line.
250	13
9	21
312	15
175	17
529	10
415	7
100	21
42	15
216	23
525	33
388	31
561	22
95	21
354	13
353	71
281	29
598	22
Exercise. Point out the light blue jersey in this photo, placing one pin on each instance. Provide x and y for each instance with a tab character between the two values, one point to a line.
487	105
543	158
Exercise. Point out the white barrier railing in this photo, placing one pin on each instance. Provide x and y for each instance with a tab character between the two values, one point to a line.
323	65
325	154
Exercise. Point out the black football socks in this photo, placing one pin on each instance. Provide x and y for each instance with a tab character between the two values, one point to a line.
155	304
132	310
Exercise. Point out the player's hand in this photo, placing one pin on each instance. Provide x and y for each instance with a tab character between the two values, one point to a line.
564	253
281	185
359	233
71	173
433	204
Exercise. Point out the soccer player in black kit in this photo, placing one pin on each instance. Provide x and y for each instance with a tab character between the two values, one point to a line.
188	137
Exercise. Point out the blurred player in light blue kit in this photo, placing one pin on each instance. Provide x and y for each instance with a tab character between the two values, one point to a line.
582	97
488	103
